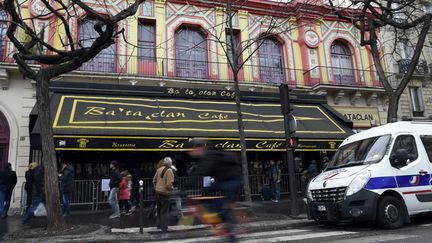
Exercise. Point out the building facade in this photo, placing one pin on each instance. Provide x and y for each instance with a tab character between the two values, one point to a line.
178	47
415	102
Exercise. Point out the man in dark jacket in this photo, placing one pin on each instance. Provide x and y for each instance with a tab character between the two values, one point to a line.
114	189
7	184
227	172
38	194
66	177
29	184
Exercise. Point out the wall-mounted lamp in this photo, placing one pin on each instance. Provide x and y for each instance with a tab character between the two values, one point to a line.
162	83
133	82
228	87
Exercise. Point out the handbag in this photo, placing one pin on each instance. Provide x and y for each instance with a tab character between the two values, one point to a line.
40	210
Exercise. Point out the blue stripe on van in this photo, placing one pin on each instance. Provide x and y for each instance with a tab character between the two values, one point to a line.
381	183
398	181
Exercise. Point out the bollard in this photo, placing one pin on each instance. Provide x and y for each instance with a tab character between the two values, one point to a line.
141	183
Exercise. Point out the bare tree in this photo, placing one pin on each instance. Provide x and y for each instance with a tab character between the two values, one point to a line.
33	47
400	16
240	53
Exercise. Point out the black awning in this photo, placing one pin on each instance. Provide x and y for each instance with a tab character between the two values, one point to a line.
121	123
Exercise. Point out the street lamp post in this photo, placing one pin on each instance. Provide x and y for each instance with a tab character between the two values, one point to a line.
141	183
289	122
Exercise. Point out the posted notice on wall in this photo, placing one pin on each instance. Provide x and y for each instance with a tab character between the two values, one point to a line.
105	185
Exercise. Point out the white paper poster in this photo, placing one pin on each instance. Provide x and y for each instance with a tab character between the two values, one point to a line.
105	185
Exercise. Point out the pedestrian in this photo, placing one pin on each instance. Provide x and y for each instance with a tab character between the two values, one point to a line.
114	190
29	184
325	162
66	177
124	194
274	175
38	194
7	184
226	173
163	181
176	191
312	170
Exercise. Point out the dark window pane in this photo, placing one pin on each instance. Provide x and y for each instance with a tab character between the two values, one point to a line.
105	61
271	65
3	29
342	63
146	41
191	53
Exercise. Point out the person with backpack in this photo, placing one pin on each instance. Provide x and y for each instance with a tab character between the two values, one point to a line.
163	182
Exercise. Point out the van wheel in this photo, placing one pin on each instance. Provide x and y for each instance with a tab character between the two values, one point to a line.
391	213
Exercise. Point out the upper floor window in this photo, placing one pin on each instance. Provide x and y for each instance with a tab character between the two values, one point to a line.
191	53
236	45
342	66
146	41
3	30
417	104
105	61
270	61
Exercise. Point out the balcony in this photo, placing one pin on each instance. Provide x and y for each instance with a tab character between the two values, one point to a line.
341	77
422	68
188	69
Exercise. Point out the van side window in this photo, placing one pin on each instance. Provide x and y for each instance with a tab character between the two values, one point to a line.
427	142
404	143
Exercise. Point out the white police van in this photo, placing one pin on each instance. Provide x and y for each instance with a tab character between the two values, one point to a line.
382	174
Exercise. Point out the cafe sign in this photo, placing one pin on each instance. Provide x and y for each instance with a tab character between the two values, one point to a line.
125	143
362	117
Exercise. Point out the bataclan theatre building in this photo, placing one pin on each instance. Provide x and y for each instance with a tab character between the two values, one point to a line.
137	126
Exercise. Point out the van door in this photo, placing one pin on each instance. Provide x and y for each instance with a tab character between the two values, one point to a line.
413	175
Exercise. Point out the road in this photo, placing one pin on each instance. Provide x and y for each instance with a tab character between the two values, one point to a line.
420	230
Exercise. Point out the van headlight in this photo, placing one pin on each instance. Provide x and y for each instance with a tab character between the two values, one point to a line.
309	192
358	183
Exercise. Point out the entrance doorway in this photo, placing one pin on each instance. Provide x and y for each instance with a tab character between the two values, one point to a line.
4	140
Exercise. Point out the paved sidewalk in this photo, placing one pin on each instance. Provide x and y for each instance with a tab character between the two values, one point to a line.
263	211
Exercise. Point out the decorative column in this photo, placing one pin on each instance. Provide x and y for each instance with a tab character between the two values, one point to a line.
244	36
220	31
160	36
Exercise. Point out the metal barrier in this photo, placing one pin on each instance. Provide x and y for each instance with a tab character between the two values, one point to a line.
89	192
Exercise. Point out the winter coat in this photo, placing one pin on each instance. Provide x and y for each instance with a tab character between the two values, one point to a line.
38	182
8	181
115	179
124	193
163	180
29	180
67	179
223	166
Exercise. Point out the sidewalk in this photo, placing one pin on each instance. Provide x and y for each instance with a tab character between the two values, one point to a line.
98	222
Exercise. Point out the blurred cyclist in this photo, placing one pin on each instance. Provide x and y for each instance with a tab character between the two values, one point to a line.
226	171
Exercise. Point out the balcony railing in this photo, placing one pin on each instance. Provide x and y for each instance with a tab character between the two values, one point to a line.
187	69
323	75
421	69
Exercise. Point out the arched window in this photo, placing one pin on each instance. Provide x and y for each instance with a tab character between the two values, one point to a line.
105	61
343	71
270	61
4	140
3	29
191	53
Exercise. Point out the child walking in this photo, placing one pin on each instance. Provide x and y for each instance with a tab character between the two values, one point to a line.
124	194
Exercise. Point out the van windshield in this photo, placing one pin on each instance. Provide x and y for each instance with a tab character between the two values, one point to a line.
367	151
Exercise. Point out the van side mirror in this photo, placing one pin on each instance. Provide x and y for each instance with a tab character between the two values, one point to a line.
399	158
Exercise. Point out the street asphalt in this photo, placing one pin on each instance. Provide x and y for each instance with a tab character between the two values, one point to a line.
270	224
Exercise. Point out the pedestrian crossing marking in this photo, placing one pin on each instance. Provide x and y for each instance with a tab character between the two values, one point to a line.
376	238
267	237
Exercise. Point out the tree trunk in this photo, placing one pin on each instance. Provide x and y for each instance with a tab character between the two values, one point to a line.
392	109
244	161
55	218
